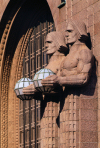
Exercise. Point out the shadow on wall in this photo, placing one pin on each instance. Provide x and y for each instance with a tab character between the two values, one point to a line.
88	42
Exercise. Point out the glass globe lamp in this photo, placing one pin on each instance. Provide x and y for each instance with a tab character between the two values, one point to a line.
42	74
23	82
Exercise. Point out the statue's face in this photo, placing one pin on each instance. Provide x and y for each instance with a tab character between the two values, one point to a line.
70	34
50	45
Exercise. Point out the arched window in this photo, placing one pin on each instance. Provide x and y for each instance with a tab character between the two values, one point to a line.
35	59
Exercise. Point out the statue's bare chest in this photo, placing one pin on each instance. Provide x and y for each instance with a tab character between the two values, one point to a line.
70	61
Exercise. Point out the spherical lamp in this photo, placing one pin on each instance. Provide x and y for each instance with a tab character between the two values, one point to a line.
23	82
42	74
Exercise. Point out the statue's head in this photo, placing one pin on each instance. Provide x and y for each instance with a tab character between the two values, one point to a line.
76	30
54	41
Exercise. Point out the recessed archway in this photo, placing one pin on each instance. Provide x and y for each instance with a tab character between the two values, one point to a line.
16	35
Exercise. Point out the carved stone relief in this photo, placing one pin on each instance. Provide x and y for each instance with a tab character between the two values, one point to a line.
71	61
72	68
57	49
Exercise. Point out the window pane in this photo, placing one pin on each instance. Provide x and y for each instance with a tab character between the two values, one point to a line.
35	59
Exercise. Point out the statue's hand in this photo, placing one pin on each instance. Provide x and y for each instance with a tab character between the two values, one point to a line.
51	80
29	89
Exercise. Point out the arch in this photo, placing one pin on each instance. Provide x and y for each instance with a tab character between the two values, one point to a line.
13	45
12	6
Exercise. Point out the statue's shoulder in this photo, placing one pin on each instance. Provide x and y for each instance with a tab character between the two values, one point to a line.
85	54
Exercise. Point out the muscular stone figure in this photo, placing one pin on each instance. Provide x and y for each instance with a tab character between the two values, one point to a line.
56	48
76	67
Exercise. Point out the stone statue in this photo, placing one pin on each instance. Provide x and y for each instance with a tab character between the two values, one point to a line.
75	68
56	48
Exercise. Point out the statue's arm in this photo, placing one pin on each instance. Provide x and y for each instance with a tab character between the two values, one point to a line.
83	70
78	79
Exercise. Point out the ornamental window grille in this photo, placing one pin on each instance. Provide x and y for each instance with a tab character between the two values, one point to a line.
35	59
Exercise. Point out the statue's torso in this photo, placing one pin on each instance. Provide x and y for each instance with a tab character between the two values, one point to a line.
69	64
55	61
